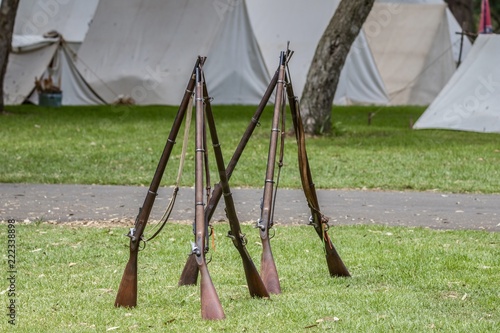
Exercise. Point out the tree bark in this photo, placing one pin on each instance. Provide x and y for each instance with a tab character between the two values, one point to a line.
462	10
8	10
329	58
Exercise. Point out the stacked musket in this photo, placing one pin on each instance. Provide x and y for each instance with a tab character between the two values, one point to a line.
267	282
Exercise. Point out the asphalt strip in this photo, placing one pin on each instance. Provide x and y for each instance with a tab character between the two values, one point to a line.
66	203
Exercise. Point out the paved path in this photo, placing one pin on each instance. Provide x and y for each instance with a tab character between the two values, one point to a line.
65	203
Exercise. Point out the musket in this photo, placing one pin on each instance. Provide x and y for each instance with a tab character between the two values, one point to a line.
268	270
189	274
211	307
335	264
255	284
127	291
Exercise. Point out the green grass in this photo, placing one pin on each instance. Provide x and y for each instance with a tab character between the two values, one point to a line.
122	145
403	280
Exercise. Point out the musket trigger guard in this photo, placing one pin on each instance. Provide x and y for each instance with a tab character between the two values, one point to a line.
143	242
273	234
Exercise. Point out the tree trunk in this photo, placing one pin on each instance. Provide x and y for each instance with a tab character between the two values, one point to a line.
329	58
8	10
462	10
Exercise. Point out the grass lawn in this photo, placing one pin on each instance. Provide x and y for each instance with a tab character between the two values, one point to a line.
122	145
403	280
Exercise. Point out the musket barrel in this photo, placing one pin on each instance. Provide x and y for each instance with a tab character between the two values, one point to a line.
211	308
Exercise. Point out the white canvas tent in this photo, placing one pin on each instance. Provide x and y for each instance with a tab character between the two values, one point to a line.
413	52
403	54
146	50
36	54
40	57
302	23
470	101
460	46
